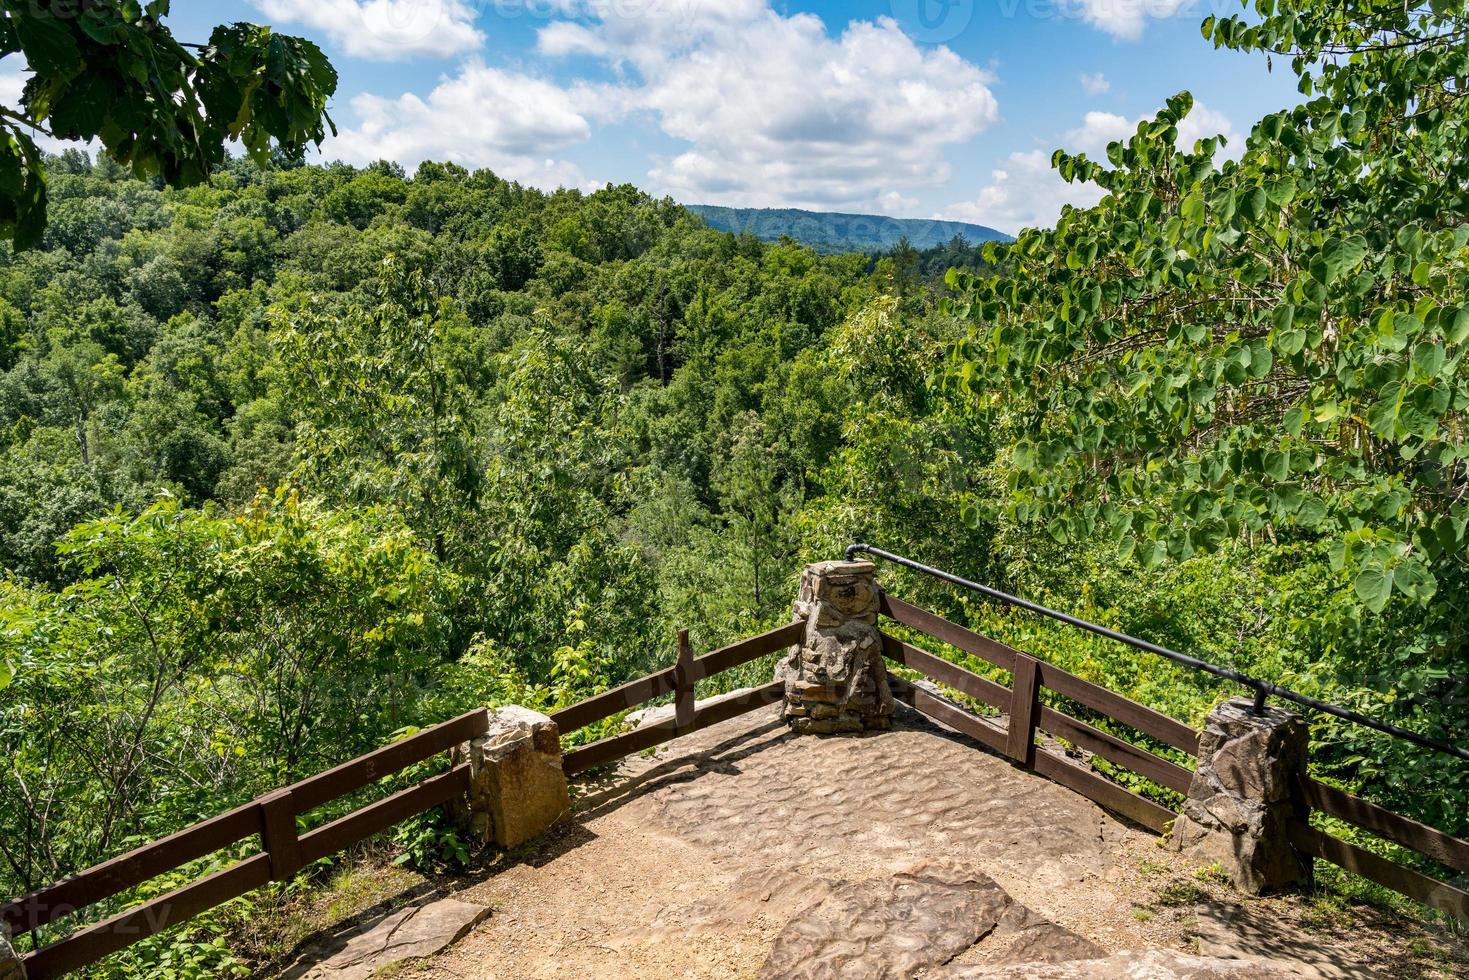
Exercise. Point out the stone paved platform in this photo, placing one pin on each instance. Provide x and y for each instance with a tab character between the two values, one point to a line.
746	851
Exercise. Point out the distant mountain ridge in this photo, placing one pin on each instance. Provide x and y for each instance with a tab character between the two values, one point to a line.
836	231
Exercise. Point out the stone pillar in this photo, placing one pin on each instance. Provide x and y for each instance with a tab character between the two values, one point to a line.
835	680
1240	803
516	786
10	967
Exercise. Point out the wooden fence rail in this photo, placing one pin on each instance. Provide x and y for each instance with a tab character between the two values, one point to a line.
679	679
283	852
1026	715
273	817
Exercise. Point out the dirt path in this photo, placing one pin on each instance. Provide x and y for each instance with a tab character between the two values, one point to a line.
691	863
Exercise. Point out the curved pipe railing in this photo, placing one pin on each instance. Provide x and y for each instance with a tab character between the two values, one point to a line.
1261	688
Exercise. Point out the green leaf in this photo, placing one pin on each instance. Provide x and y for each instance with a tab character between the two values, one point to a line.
1429	358
1290	342
1415	581
1382	415
1458	328
1281	191
47	42
1340	256
1294	419
1374	587
1311	513
1192	208
1252	203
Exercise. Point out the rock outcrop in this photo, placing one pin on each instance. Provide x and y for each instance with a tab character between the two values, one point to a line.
407	934
912	922
835	680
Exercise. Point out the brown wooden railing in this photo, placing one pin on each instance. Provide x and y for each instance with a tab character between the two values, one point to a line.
1021	701
1027	715
283	851
678	680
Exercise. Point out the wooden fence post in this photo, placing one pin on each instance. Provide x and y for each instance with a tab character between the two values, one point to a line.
683	683
1020	745
278	834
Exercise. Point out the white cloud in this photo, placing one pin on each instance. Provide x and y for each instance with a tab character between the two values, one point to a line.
644	33
1126	19
385	30
12	84
1027	193
776	110
1100	128
1203	122
1097	129
565	38
481	117
896	202
1095	83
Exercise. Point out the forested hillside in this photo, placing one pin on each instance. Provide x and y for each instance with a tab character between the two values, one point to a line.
835	231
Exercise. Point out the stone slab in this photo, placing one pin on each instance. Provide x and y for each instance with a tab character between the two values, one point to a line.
1152	964
407	934
891	928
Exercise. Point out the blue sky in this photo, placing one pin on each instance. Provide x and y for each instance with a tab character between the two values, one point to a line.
917	108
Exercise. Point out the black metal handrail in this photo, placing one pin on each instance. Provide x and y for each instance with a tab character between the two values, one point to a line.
1261	688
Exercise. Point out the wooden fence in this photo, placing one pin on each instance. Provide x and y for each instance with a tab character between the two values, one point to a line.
1027	714
678	680
283	851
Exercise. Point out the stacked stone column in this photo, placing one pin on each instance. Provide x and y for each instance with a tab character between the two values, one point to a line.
1241	801
516	785
835	680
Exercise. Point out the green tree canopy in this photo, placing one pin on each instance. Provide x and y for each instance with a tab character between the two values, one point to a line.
1262	346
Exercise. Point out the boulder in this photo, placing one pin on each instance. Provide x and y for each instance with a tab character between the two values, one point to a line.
407	934
913	922
517	788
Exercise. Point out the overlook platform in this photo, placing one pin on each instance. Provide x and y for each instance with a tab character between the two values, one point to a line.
745	851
